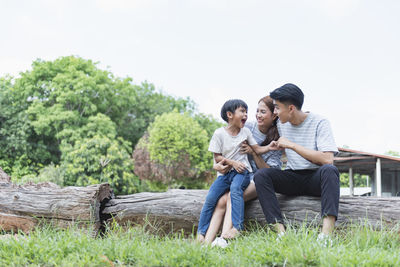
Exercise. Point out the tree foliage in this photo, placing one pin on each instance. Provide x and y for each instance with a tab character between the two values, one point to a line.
71	114
175	151
358	179
392	153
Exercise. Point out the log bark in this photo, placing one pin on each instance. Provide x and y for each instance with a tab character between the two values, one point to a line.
4	178
24	207
177	210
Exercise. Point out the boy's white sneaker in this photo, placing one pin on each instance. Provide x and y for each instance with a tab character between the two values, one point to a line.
219	242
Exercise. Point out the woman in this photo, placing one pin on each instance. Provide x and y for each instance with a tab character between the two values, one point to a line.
264	130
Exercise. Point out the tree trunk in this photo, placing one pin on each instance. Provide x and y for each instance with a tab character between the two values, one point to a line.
4	178
177	210
24	207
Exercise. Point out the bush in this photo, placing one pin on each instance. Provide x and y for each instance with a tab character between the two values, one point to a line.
174	152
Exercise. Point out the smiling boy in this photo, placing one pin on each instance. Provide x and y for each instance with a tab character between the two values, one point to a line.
225	144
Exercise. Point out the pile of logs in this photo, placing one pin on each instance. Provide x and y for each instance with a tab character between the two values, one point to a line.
24	207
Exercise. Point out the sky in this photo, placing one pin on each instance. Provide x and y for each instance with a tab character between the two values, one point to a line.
343	54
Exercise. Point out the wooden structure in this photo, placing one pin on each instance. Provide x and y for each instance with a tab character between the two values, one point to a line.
383	170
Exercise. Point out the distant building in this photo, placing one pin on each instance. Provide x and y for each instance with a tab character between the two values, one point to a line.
383	170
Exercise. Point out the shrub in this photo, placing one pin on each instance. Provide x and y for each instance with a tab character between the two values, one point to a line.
174	152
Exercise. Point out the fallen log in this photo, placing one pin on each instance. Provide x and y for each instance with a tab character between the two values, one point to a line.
177	210
4	178
24	207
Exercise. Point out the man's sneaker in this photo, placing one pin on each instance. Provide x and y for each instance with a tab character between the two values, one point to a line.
324	240
280	236
219	242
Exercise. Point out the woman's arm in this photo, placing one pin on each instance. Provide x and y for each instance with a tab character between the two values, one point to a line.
260	163
264	149
246	149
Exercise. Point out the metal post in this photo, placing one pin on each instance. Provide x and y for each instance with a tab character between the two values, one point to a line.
351	181
378	178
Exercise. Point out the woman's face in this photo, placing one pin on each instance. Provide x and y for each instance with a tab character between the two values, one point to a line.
264	116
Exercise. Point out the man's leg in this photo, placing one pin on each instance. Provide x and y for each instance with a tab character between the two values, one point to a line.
270	180
325	183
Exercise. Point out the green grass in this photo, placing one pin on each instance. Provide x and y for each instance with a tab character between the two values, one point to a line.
357	245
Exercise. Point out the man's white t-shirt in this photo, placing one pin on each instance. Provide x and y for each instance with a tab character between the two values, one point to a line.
314	133
229	146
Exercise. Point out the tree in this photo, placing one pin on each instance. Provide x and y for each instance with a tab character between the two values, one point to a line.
174	152
94	154
360	180
392	153
50	109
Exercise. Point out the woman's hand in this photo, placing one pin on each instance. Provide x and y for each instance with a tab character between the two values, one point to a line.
222	167
246	149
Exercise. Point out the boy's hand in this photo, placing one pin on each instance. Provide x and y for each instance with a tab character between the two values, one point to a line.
238	166
222	167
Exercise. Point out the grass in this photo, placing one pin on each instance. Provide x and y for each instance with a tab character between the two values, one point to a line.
357	245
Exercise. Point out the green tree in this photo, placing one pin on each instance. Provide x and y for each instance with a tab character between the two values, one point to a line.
392	153
360	180
52	109
94	154
208	123
174	152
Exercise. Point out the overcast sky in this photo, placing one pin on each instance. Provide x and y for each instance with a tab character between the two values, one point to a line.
344	54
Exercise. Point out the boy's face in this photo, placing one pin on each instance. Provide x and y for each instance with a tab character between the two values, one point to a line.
238	118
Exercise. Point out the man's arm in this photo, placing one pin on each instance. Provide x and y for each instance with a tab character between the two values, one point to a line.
316	157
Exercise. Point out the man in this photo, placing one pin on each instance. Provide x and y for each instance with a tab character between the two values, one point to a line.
310	147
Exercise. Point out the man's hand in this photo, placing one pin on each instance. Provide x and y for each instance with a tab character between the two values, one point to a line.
238	166
316	157
283	142
274	146
222	167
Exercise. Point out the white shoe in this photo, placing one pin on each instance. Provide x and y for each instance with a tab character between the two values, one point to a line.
280	236
324	240
219	242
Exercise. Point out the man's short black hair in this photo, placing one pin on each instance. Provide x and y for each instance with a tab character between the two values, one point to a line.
232	105
289	94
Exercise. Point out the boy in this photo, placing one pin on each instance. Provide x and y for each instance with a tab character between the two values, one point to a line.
225	144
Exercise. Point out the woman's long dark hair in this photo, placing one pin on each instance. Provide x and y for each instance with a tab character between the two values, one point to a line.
272	133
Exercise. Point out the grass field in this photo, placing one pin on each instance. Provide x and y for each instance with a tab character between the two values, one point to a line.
357	245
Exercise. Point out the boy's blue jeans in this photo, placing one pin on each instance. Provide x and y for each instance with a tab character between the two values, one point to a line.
236	183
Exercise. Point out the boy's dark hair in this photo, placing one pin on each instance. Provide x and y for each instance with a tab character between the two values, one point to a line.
289	94
231	105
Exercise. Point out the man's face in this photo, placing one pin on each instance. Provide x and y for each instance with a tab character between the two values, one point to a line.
282	111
